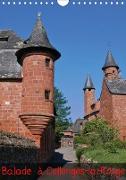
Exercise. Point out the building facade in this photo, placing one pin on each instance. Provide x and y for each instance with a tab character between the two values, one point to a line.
27	87
111	105
68	135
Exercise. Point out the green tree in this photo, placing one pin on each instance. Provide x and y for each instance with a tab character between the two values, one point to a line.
98	129
63	121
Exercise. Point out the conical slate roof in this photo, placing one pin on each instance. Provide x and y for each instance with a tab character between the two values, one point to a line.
38	36
38	40
88	84
109	61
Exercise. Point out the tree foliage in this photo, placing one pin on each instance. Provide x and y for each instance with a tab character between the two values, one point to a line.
62	110
100	129
98	133
79	153
99	139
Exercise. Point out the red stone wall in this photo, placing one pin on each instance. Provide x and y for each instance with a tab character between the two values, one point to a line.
106	106
18	99
95	111
97	105
47	144
111	73
89	99
10	108
36	79
113	109
119	114
68	133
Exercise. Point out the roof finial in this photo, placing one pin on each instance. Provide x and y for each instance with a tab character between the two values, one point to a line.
39	14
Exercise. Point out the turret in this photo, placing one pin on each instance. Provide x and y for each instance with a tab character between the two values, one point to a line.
89	95
110	68
37	58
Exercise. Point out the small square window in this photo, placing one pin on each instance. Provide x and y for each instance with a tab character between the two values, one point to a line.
4	38
47	94
47	62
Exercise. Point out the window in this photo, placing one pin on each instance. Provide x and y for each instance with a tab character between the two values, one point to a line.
92	106
4	38
47	62
47	94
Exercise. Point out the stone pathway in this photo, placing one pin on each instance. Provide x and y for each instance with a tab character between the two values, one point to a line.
64	154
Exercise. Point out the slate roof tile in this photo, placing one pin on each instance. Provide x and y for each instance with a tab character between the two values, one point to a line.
117	86
9	44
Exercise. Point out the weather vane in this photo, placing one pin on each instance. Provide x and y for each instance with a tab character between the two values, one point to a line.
39	14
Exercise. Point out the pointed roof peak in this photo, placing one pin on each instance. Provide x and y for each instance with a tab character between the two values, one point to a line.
109	61
38	36
88	83
109	52
38	40
38	21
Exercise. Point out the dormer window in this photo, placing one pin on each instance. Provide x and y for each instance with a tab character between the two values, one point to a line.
47	62
47	94
5	38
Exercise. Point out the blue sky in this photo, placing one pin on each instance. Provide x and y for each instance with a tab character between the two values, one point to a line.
82	34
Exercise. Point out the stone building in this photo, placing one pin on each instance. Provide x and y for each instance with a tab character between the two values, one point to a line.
69	134
111	105
67	139
27	87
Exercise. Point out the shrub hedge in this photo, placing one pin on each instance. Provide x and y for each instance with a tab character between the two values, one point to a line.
17	149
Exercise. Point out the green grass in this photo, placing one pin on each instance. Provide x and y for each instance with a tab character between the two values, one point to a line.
103	156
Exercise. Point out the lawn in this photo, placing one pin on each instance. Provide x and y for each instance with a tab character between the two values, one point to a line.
103	156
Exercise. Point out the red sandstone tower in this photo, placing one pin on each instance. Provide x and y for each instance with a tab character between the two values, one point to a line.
37	107
113	97
110	67
89	96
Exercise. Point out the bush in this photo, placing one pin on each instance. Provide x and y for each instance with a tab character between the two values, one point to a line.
17	149
13	139
93	139
124	144
79	153
102	131
119	144
111	147
108	134
78	140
